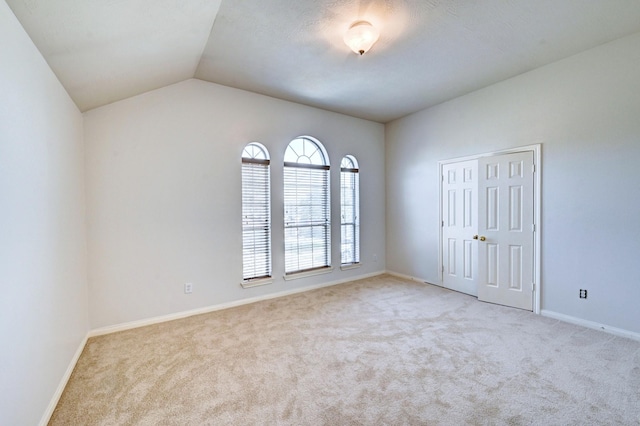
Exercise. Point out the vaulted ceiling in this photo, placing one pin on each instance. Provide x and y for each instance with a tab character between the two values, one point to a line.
429	50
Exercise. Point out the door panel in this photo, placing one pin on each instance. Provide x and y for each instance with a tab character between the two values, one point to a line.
505	225
492	264
460	213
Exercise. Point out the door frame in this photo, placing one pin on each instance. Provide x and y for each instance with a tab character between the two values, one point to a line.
537	212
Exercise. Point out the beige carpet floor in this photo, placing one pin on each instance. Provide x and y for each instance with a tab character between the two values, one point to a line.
381	351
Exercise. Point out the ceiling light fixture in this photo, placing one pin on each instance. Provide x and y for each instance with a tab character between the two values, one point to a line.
361	36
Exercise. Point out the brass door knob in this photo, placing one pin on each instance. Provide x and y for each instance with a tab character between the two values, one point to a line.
483	238
475	237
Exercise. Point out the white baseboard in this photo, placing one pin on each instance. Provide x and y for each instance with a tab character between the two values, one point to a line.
410	278
63	383
207	309
590	324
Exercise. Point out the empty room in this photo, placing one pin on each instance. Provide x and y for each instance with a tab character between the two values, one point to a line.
363	212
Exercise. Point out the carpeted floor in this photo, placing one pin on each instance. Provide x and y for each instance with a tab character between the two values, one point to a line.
380	351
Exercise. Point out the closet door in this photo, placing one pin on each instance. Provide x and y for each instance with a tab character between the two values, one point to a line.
460	223
505	229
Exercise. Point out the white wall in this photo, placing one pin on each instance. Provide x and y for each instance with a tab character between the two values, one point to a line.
43	306
585	110
164	196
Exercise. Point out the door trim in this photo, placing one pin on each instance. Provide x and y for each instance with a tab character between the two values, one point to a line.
537	212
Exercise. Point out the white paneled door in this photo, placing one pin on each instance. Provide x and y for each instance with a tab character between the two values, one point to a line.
460	224
506	229
487	208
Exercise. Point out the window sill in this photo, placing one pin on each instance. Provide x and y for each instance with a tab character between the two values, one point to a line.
256	283
298	275
348	266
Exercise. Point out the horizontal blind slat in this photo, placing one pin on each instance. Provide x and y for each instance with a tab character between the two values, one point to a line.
256	220
307	218
350	216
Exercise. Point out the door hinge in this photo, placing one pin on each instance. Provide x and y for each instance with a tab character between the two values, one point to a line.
443	269
533	287
442	223
533	227
533	168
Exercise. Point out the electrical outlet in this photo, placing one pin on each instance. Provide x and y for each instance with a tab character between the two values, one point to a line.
583	294
188	288
375	258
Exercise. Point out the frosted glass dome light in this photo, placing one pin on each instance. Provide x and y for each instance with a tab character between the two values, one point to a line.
361	36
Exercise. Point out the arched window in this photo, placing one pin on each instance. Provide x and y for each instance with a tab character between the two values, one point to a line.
256	213
349	211
307	211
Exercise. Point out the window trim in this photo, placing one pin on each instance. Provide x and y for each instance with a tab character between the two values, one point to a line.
308	273
347	266
256	282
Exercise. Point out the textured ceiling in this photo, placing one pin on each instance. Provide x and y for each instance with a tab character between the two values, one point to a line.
429	50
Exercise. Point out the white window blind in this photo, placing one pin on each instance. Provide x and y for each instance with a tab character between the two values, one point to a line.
256	214
349	211
307	223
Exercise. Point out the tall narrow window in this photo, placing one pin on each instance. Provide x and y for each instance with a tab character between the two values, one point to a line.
256	213
349	211
307	216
